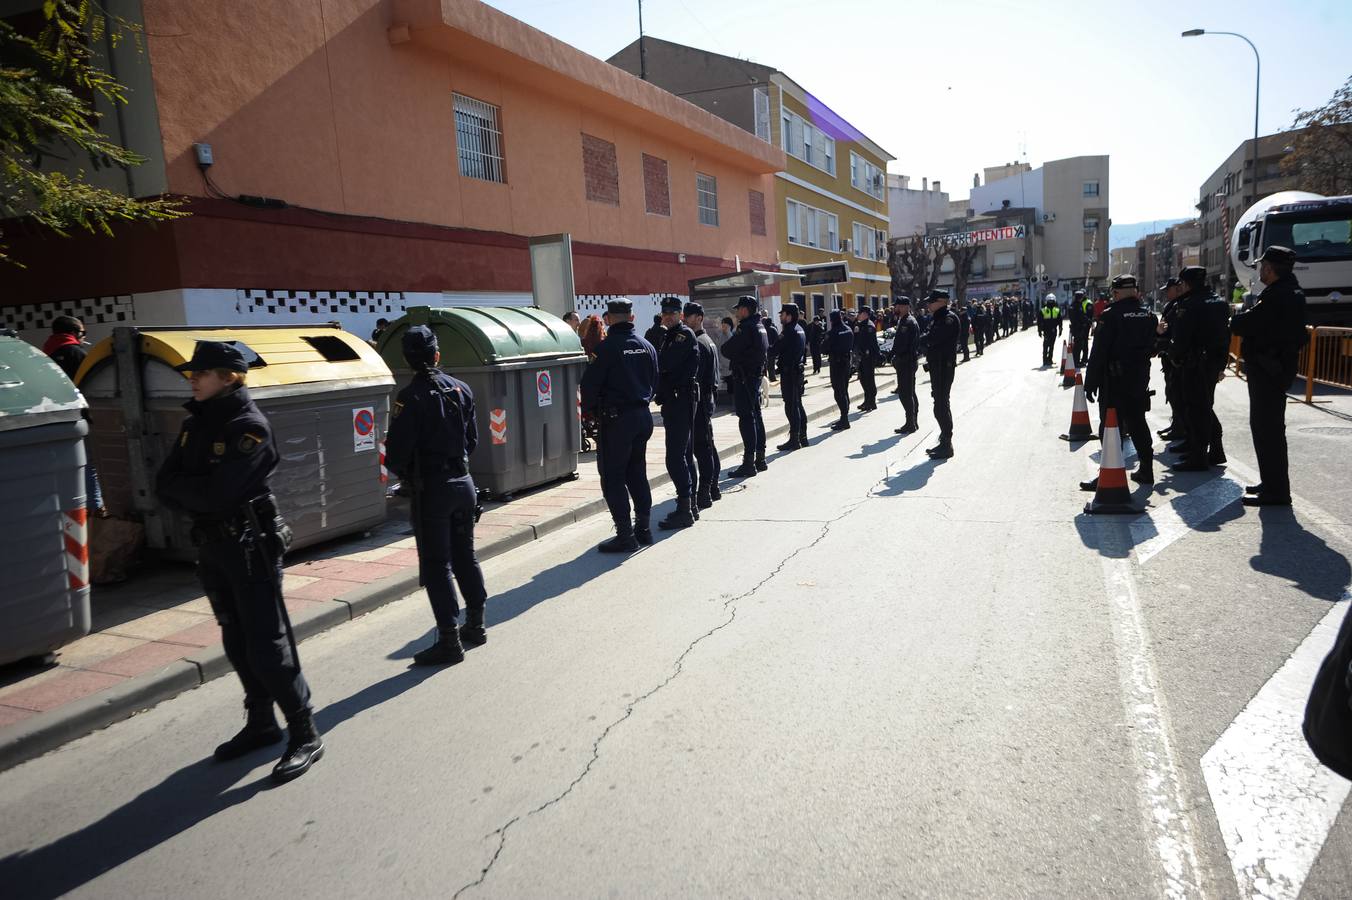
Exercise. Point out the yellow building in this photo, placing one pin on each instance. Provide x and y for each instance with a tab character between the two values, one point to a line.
830	204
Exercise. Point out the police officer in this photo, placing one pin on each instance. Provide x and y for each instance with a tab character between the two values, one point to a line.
839	346
964	331
1273	331
1118	372
816	336
217	473
678	397
1049	323
905	359
941	361
617	387
866	349
1173	290
432	434
977	313
791	358
702	434
747	351
1201	346
1081	318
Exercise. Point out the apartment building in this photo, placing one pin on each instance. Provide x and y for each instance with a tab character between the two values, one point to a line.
830	198
371	155
911	210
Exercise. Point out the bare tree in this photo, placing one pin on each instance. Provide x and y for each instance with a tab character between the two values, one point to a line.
962	269
1321	155
913	265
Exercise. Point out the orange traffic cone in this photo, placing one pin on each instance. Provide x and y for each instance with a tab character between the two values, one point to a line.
1068	365
1080	427
1111	495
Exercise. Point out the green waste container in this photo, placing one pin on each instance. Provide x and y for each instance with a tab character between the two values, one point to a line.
44	603
524	366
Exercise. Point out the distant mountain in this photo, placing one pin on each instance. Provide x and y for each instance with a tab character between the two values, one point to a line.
1127	235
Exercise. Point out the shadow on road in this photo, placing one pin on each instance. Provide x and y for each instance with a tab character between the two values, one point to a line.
877	446
910	480
1288	551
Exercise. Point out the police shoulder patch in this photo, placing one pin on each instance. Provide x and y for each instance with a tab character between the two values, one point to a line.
249	442
398	408
218	448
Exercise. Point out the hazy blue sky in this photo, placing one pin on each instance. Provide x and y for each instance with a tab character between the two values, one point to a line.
952	86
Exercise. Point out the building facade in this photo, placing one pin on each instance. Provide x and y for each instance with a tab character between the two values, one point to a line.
1007	244
831	197
371	155
911	211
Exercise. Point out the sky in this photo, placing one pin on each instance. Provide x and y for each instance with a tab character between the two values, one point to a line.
951	87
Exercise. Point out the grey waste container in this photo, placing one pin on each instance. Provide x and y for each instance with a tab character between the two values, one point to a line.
44	556
326	393
524	366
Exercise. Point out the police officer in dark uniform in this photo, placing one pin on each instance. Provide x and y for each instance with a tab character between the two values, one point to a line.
1273	331
432	434
905	359
964	332
747	351
941	361
217	473
617	387
1081	318
1118	372
866	349
816	336
1049	323
678	397
791	358
839	346
1173	291
1201	347
702	435
977	314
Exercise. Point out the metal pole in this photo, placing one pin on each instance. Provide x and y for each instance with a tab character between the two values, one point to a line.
1257	86
642	49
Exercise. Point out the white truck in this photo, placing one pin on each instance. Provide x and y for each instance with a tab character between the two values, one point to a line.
1319	230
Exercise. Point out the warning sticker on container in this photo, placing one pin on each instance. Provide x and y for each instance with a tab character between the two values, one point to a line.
497	425
363	429
544	388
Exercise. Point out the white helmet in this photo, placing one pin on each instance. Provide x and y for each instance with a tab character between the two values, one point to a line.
1051	298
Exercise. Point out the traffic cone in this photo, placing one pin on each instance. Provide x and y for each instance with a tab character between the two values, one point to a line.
1062	367
1080	427
1068	366
1111	497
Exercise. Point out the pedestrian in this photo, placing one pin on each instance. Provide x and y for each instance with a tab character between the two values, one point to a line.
941	361
678	397
726	329
1173	373
978	316
381	325
1118	372
67	348
1201	347
702	435
746	352
790	353
816	336
964	329
573	321
217	473
1049	323
617	387
868	354
592	334
1273	331
654	333
839	347
905	359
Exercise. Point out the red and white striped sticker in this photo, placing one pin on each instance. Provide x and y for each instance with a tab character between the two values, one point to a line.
497	425
380	452
75	524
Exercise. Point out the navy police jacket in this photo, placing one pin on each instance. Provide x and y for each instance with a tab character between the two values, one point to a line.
222	459
791	348
677	362
432	427
747	349
624	373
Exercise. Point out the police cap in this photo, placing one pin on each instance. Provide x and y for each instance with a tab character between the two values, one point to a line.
1192	275
620	306
903	300
1122	282
790	308
671	305
420	344
214	355
748	302
936	295
1282	256
1079	293
692	309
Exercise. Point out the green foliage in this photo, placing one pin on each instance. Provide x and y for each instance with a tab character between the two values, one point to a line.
48	87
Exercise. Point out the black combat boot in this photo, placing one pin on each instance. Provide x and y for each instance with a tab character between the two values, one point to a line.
303	749
746	470
714	493
703	499
789	447
761	464
841	425
943	451
1144	474
473	633
446	651
260	730
1217	455
680	517
643	530
623	541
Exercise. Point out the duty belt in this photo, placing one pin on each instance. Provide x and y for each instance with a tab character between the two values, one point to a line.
208	532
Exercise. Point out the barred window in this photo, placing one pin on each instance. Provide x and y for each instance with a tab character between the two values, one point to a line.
478	139
706	191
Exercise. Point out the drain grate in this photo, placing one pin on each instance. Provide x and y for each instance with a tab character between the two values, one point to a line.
1328	430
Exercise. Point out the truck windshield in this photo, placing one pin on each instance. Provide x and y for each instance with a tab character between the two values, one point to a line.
1316	237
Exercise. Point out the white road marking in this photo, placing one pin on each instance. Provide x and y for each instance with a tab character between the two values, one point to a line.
1275	803
1165	524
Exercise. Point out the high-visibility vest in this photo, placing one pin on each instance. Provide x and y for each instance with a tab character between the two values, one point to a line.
1051	312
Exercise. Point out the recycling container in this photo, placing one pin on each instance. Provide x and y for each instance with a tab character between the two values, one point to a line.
524	366
44	603
326	393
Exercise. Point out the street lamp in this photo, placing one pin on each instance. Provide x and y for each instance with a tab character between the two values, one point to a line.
1257	82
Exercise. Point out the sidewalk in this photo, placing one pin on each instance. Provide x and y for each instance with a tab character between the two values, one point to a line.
154	637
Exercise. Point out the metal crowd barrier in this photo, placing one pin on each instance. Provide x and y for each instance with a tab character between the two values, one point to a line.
1327	359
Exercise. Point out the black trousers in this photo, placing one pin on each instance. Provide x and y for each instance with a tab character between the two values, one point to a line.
816	360
1204	431
678	421
791	386
245	592
906	389
962	345
1173	395
702	446
1081	337
1048	344
868	382
980	339
445	537
840	387
941	386
621	457
1267	422
746	396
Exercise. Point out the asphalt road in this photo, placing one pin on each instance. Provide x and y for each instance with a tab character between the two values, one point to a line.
862	674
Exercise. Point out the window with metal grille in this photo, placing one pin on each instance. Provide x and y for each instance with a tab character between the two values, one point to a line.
478	139
706	196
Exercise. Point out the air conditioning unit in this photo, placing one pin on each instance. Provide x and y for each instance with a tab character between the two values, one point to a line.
1049	217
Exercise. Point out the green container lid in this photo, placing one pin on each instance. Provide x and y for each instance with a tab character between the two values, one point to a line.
33	389
472	336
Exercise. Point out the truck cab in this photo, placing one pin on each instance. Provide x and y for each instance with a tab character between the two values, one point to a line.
1319	230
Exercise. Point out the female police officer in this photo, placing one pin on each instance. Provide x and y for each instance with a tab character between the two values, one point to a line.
432	433
218	474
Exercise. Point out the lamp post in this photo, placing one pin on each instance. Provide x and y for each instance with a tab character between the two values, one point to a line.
1257	83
